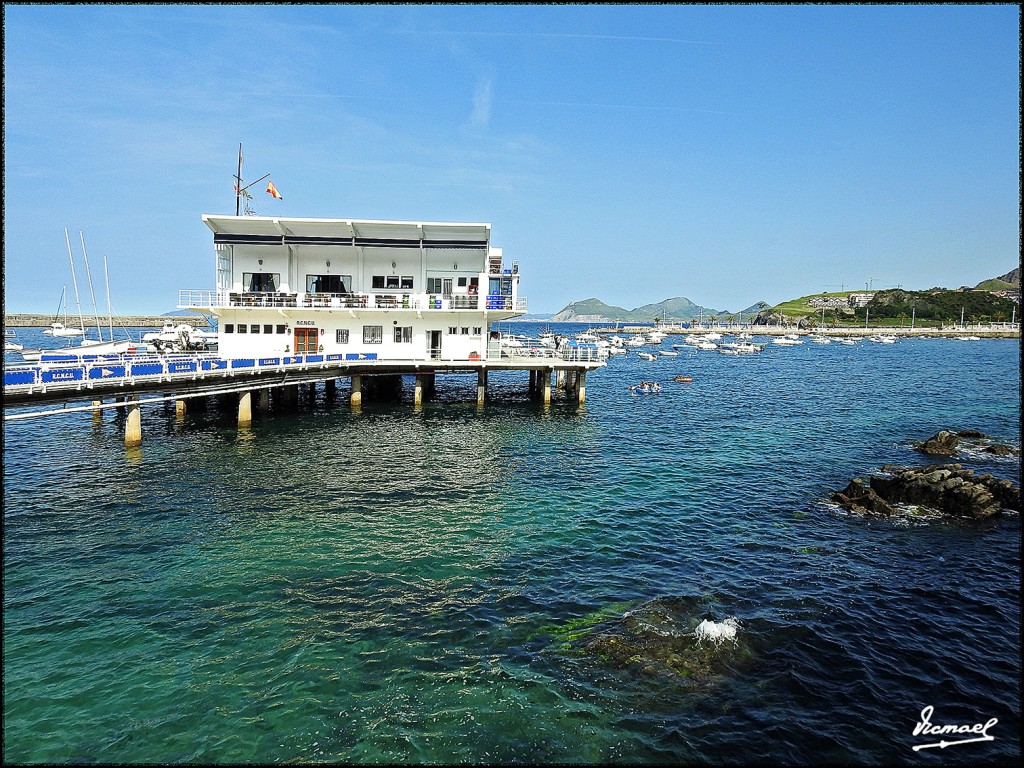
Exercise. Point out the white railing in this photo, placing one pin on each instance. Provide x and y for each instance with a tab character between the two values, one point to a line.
188	299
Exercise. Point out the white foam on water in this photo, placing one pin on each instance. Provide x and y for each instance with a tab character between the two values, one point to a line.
717	632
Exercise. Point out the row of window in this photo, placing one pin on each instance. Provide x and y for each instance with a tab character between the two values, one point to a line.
372	334
254	328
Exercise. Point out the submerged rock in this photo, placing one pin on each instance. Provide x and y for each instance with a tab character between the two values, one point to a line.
672	637
946	488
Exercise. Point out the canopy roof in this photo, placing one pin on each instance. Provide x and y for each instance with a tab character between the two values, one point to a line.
266	229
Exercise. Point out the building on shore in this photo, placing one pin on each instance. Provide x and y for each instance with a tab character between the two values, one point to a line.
368	290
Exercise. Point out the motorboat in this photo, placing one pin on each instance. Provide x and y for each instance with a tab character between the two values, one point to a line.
668	352
10	345
59	329
789	340
647	356
180	337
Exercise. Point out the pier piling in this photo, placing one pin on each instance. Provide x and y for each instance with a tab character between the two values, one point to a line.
481	386
133	423
357	391
245	409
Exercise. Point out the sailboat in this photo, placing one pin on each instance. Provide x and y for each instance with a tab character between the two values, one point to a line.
86	346
63	329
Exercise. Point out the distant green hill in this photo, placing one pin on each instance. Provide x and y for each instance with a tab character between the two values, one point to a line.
937	304
596	311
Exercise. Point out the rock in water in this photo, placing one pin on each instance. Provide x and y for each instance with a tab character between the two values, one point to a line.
947	488
943	443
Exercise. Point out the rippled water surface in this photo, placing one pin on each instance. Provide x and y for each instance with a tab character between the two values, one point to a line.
406	586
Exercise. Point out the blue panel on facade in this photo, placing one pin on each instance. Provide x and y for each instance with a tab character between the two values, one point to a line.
106	372
244	363
270	361
314	358
214	365
335	357
361	356
57	358
63	374
20	377
147	369
181	366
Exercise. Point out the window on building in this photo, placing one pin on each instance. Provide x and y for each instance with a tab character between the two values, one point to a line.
403	334
261	282
406	282
391	281
477	330
282	328
373	334
254	328
242	328
268	329
452	330
229	327
377	281
328	283
462	282
433	285
341	336
465	331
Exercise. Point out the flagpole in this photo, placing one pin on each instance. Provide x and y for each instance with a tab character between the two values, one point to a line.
238	179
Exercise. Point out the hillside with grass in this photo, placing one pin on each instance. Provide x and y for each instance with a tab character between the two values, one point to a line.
894	307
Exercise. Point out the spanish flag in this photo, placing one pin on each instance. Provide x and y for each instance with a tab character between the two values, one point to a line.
273	190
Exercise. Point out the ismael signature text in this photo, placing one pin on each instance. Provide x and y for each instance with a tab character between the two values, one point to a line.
976	732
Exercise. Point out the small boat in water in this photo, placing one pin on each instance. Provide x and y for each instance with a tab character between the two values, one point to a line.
10	345
645	387
683	379
58	328
789	340
647	356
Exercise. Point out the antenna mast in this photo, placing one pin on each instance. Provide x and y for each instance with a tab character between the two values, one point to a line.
240	191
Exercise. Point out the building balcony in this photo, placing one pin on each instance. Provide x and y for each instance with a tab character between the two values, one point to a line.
390	300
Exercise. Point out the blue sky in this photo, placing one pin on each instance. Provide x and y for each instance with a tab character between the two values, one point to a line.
729	154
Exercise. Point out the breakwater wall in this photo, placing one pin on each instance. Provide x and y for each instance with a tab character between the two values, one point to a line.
127	321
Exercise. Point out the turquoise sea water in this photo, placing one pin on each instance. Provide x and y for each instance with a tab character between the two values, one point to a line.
398	585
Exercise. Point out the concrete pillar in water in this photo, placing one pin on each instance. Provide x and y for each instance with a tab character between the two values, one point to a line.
481	386
245	409
357	391
417	399
545	387
560	379
533	384
581	386
133	423
264	400
179	409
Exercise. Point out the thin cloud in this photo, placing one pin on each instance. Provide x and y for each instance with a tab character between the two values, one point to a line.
481	115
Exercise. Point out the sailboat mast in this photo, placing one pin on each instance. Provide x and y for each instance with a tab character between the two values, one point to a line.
110	312
81	320
92	294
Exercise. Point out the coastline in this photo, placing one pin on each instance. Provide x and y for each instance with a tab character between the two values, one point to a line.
781	330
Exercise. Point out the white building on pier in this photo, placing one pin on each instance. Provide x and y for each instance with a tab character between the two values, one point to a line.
375	290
